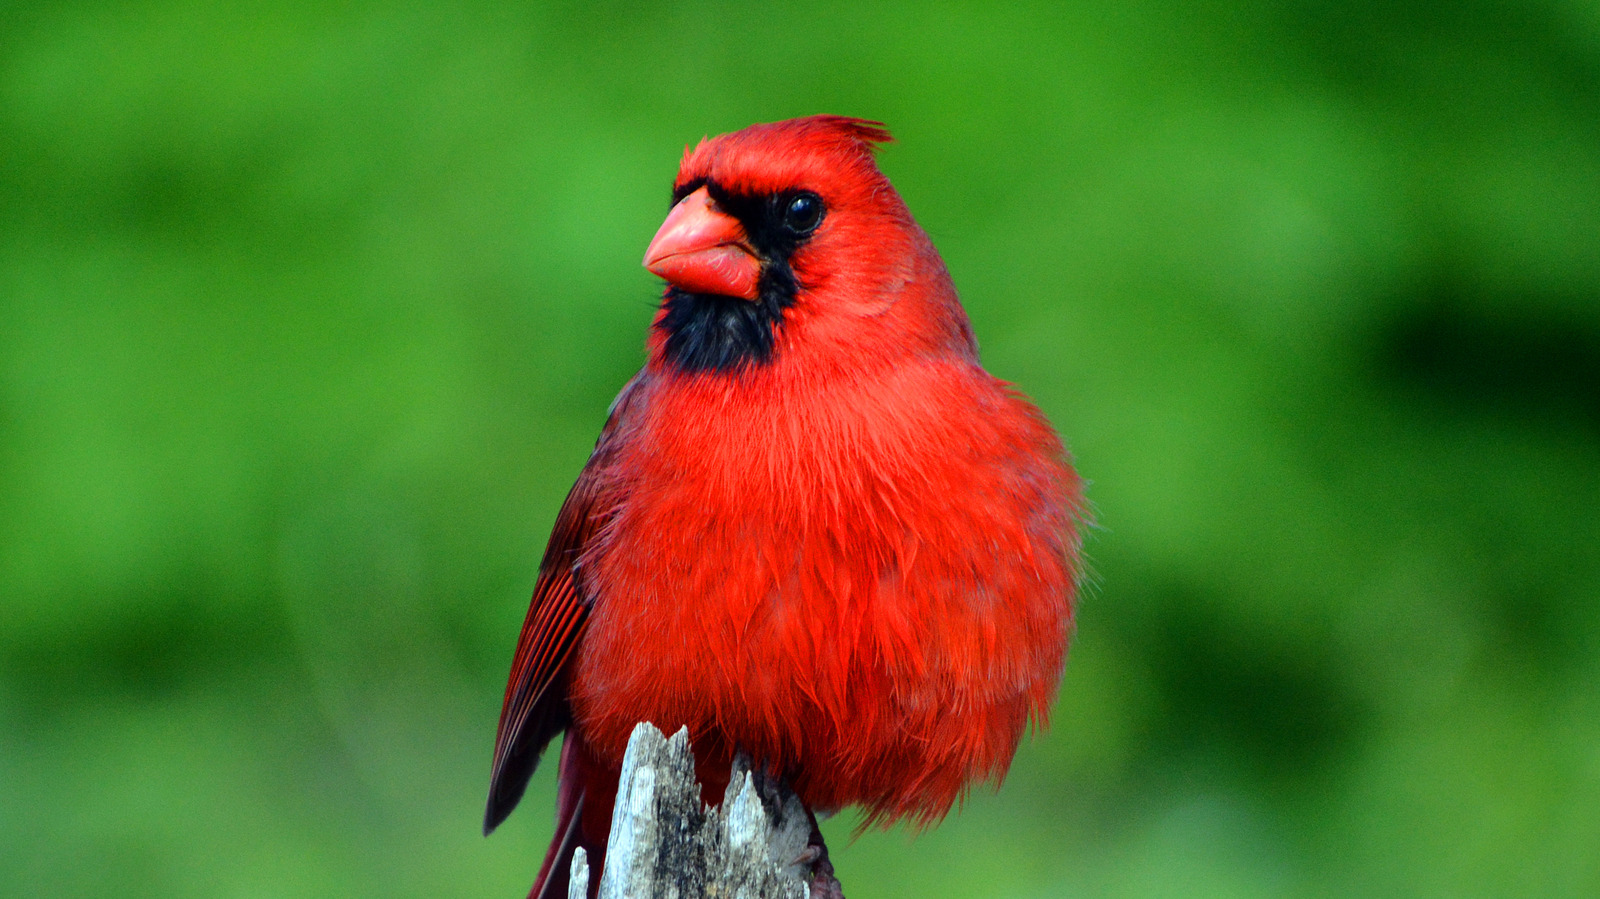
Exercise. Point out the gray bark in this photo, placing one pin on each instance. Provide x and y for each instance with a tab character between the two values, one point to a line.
666	845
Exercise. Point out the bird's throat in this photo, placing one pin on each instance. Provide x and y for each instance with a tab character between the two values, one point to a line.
709	333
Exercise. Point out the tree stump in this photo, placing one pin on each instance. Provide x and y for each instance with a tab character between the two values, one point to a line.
665	844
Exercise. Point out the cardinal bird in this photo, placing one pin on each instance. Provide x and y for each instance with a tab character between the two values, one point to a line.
813	528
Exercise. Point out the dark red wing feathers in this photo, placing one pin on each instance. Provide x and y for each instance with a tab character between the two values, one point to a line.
535	707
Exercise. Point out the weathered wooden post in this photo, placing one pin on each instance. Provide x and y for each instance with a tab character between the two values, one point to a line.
666	845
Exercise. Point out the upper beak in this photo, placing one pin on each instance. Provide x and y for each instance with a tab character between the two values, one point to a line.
701	249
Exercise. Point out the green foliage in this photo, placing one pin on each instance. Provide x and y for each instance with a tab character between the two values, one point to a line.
309	314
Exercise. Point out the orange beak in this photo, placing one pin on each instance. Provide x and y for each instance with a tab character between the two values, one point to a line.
701	249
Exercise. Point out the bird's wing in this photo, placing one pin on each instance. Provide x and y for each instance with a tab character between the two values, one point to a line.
535	708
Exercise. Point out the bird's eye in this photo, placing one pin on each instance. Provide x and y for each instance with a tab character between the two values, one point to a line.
802	213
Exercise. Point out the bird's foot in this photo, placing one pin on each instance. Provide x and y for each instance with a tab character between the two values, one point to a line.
795	828
815	856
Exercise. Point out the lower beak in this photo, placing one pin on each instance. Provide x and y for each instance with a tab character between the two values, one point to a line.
701	249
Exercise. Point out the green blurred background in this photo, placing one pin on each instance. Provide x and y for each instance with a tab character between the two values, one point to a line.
309	314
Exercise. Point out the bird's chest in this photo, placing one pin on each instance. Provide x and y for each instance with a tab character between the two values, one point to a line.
738	527
739	567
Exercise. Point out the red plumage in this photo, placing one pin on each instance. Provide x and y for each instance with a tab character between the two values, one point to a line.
828	538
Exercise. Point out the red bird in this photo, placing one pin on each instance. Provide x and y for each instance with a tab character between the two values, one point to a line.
813	528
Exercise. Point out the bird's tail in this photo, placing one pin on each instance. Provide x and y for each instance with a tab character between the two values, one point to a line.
585	794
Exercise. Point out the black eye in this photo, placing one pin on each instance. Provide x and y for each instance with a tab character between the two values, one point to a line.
802	212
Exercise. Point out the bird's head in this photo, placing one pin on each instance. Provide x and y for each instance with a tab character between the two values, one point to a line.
785	243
